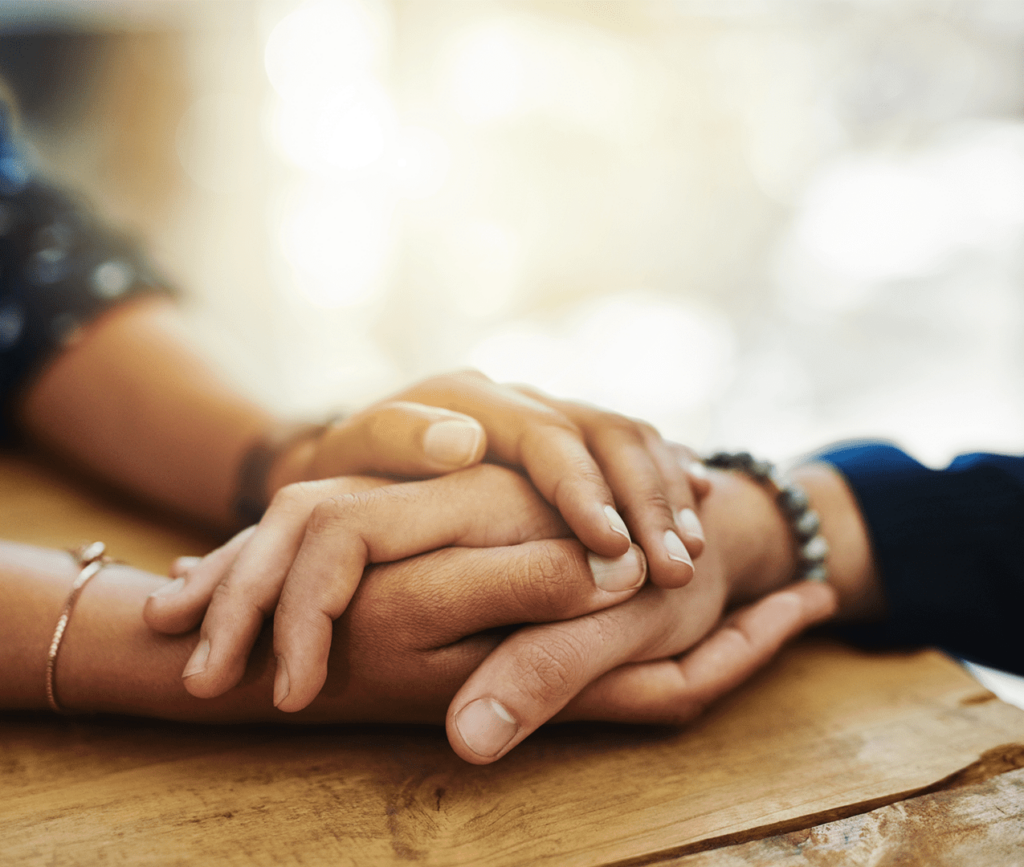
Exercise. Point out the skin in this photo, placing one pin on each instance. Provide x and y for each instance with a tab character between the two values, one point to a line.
168	432
418	641
132	402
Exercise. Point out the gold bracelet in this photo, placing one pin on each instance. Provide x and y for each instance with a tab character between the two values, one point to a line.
90	559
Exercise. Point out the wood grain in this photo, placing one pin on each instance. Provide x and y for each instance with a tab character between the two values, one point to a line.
41	506
981	825
826	732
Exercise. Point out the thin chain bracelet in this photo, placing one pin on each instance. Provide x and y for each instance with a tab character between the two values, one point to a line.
90	560
812	549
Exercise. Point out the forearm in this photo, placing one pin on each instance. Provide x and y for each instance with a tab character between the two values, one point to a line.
133	403
758	547
109	660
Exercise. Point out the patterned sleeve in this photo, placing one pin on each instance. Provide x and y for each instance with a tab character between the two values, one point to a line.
949	545
59	269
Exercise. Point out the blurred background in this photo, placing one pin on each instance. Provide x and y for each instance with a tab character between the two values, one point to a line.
765	225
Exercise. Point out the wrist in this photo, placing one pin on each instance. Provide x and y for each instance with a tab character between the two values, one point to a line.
852	570
758	547
759	554
280	456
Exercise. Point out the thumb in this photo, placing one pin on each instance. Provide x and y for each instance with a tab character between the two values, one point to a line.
400	438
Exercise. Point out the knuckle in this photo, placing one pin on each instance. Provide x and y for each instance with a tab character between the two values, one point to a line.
472	374
622	428
289	498
644	427
551	578
649	499
231	595
329	515
581	473
551	670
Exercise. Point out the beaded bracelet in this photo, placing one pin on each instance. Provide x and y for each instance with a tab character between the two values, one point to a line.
812	549
90	559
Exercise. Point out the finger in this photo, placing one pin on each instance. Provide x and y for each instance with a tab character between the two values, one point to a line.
181	566
236	587
400	438
344	534
648	484
537	670
682	493
243	593
439	599
674	691
697	473
623	451
178	606
525	432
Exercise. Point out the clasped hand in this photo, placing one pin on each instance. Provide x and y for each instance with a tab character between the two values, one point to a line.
418	635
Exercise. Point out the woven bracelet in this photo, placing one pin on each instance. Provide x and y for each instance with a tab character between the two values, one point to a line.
812	549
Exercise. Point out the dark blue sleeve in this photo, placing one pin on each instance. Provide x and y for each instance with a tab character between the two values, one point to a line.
949	545
60	268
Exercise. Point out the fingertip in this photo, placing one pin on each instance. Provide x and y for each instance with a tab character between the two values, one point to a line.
675	568
821	599
169	590
291	694
615	522
696	475
482	731
211	671
301	652
194	676
601	530
672	577
691	531
619	574
166	610
455	442
181	566
281	683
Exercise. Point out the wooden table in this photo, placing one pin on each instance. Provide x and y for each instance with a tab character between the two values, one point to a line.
830	757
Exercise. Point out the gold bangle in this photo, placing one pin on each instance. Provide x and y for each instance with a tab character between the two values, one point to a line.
90	560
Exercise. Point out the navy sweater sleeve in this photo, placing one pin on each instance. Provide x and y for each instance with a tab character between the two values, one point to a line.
949	545
60	268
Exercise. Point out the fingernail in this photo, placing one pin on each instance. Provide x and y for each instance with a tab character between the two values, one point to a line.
695	468
486	726
452	442
616	574
197	662
675	548
169	589
689	523
616	522
281	685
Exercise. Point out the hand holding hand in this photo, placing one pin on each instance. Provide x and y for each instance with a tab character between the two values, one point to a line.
623	663
595	467
305	559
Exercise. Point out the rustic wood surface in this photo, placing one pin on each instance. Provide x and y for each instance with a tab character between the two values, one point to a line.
974	826
825	733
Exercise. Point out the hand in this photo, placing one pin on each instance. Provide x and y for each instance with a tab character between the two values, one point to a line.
393	437
415	631
588	463
617	663
307	555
